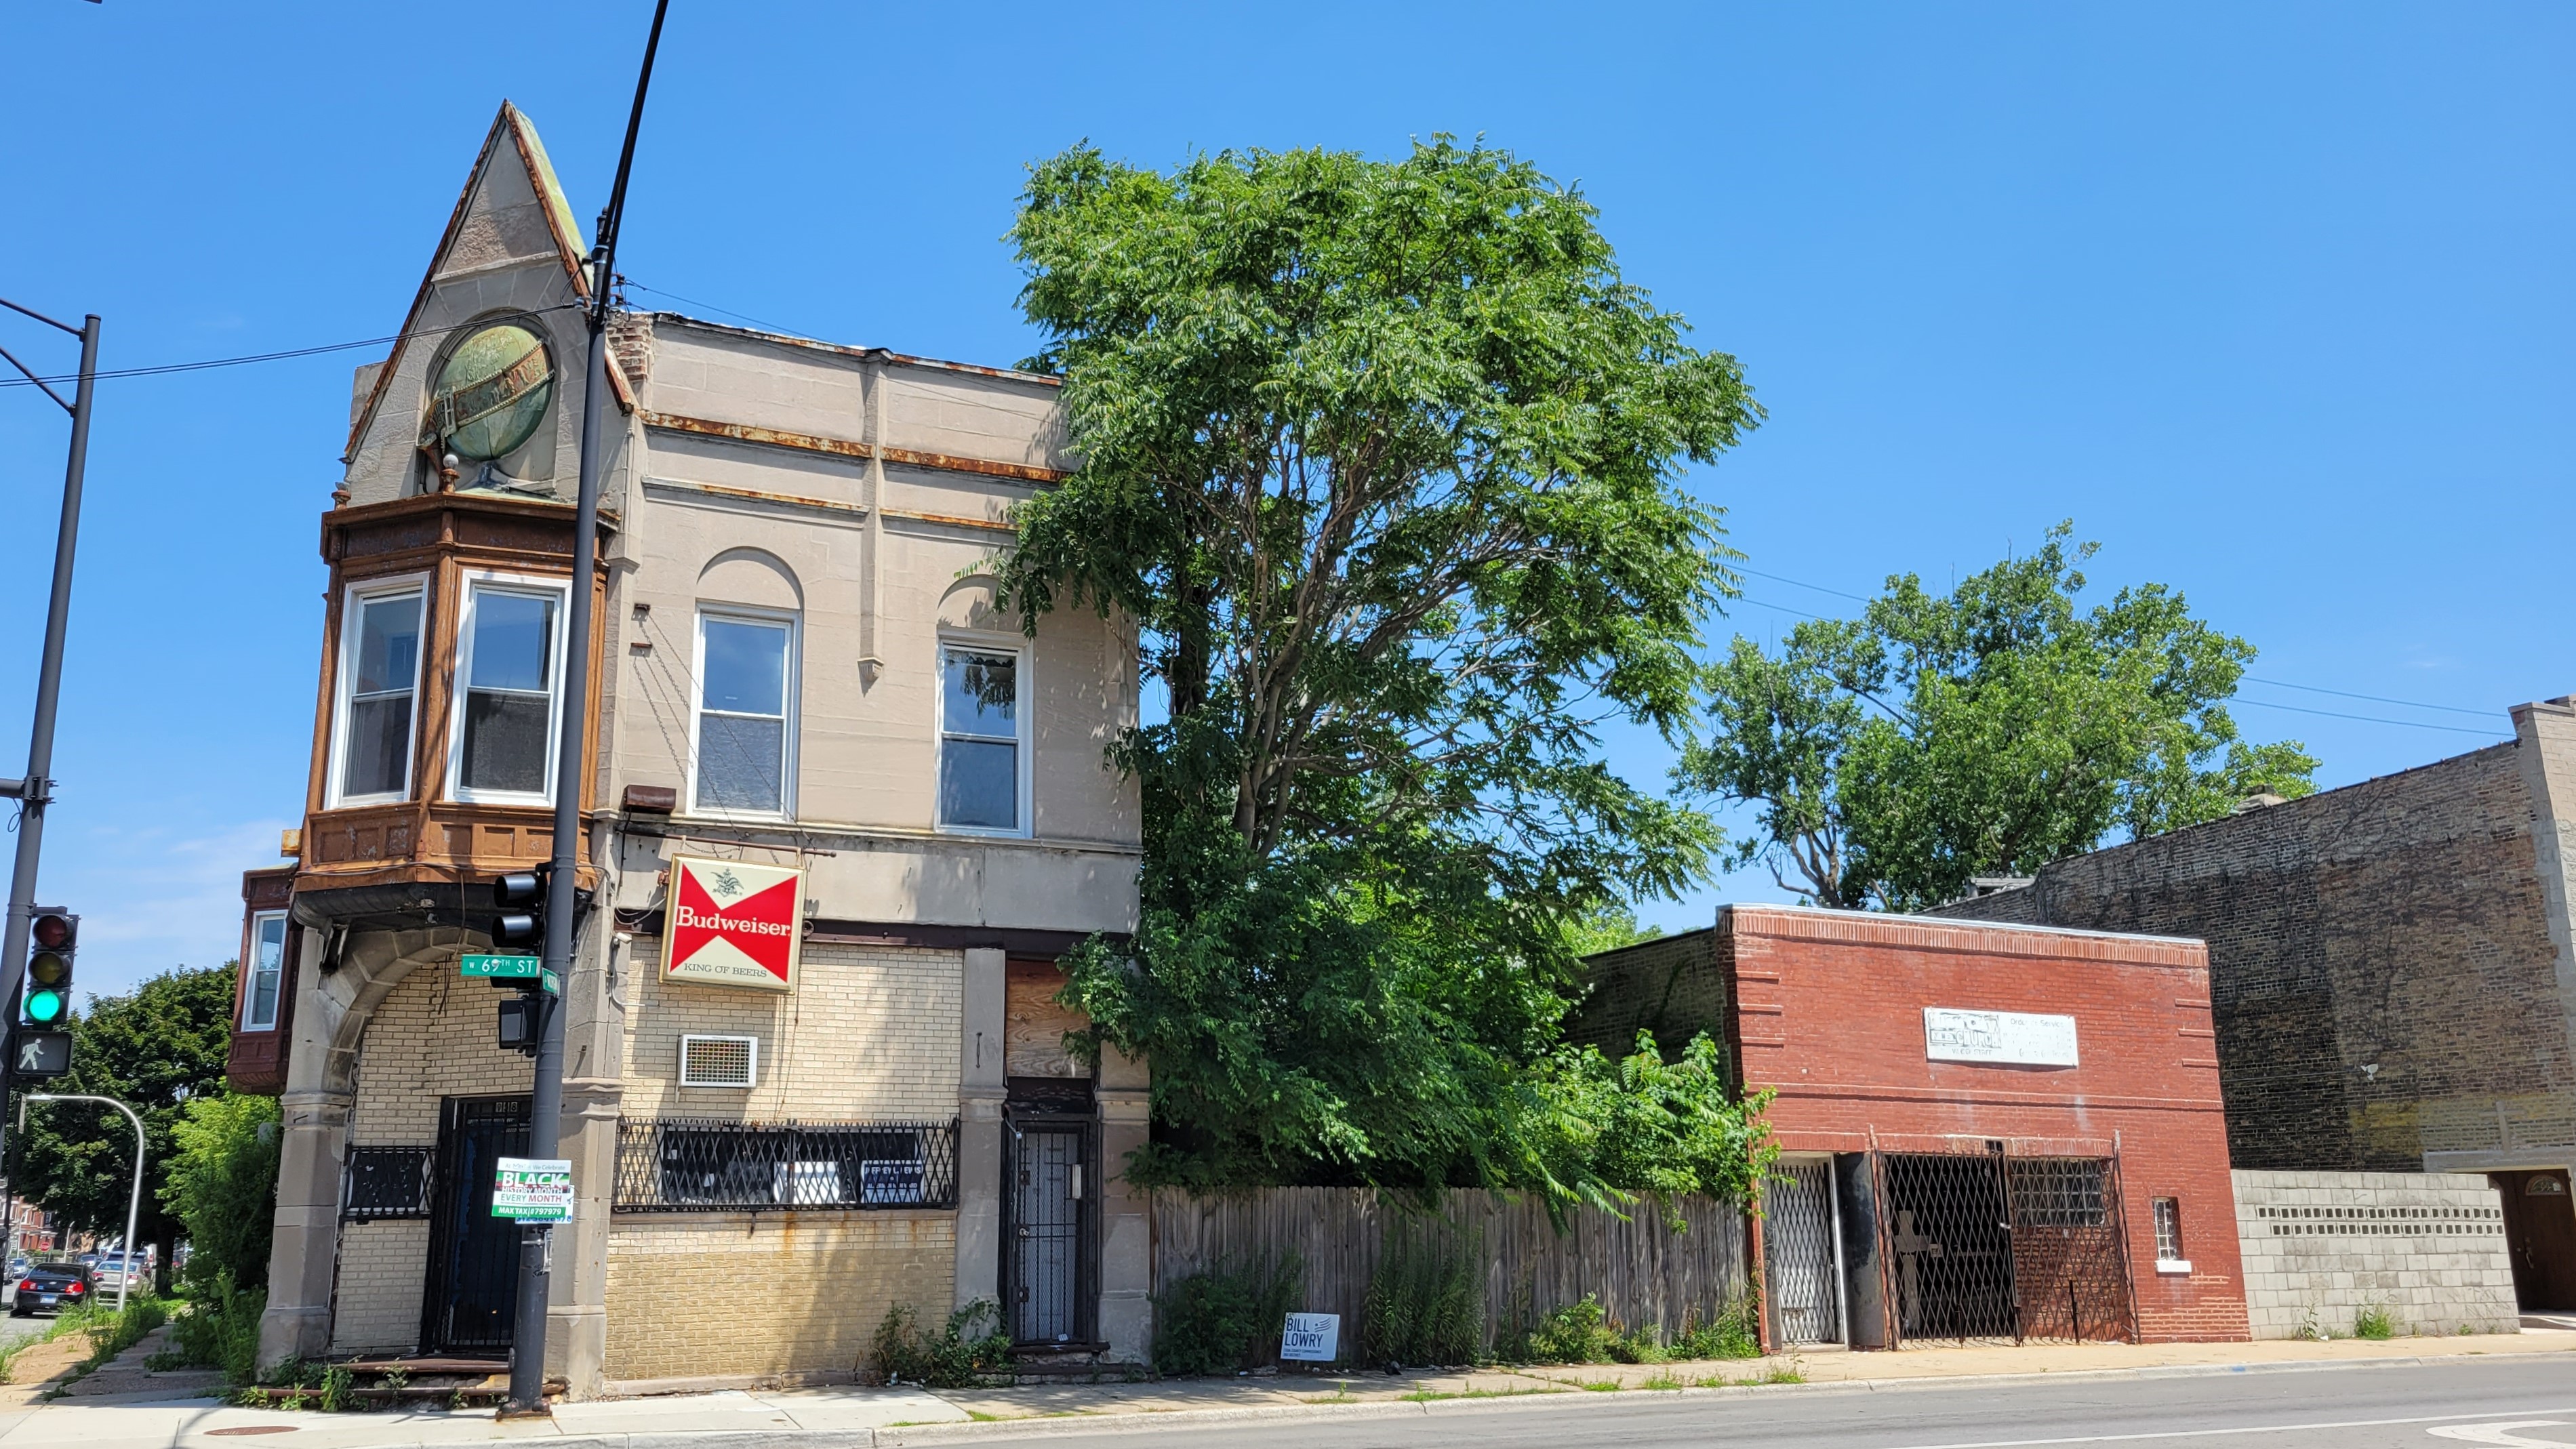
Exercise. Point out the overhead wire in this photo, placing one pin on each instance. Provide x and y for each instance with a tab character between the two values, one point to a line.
165	368
287	354
2239	699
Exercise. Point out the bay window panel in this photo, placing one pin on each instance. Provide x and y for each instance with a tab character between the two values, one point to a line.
384	673
509	701
267	968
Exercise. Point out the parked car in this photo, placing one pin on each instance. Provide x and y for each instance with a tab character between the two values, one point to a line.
52	1287
111	1271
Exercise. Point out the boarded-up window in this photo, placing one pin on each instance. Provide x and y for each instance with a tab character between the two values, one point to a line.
1034	1024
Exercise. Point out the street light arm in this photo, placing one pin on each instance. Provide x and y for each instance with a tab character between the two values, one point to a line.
134	1204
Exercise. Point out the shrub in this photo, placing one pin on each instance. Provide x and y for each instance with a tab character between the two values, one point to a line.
1729	1335
963	1355
222	1186
1225	1319
220	1329
1576	1333
2374	1321
1426	1302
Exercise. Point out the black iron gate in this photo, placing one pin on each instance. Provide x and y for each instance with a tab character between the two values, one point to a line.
473	1256
1048	1238
1989	1246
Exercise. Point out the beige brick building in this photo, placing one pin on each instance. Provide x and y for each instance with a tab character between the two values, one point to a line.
800	665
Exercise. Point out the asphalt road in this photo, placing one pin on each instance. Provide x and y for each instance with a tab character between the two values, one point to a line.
2522	1404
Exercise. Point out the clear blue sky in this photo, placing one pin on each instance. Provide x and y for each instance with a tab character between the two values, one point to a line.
2276	301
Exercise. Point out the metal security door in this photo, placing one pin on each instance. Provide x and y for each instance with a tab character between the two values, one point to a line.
1948	1238
2070	1269
1049	1209
474	1256
1801	1255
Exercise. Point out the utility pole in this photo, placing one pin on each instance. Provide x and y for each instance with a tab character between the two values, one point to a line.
545	1104
35	789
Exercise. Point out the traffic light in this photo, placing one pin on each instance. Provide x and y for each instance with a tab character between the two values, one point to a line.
522	1023
521	925
53	935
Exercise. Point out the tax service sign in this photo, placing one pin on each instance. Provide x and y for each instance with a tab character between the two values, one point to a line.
733	923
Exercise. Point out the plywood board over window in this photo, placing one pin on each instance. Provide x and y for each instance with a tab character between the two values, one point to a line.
1034	1023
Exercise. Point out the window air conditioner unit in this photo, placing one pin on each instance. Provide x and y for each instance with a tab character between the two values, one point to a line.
719	1061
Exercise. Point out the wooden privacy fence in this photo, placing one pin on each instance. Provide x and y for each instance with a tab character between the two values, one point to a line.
1641	1270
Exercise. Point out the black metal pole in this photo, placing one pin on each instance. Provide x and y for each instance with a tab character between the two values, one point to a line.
545	1103
36	790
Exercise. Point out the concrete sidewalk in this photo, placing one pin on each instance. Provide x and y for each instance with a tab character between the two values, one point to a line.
848	1418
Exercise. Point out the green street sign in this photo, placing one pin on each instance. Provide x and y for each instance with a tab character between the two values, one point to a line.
510	968
498	965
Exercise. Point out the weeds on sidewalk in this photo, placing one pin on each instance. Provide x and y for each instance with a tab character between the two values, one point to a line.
2374	1320
219	1329
964	1354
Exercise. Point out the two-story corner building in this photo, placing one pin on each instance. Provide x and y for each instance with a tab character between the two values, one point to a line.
803	683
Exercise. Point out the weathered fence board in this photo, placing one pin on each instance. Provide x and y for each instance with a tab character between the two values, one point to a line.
1641	1270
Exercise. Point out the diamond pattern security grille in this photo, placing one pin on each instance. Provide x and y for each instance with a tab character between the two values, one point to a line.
689	1164
1987	1246
385	1182
719	1061
1798	1253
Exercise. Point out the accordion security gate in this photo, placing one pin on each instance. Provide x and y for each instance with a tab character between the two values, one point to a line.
1988	1246
1800	1238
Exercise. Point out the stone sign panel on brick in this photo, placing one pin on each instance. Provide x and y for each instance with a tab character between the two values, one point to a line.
2017	1038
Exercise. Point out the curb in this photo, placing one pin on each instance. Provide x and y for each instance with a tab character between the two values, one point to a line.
901	1436
1076	1424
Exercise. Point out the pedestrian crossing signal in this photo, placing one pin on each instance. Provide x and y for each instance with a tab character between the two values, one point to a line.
36	1056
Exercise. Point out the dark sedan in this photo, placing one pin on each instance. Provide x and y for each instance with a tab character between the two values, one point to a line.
51	1287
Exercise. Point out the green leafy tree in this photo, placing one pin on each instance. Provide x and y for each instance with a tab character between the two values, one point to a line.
222	1186
156	1049
1381	459
1892	758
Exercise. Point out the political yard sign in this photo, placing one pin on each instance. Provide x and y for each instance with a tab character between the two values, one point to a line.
732	923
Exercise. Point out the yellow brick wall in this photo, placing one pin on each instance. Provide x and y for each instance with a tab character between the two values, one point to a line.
378	1303
699	1294
432	1038
869	1034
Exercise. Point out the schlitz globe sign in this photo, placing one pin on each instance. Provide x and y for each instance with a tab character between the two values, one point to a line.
731	923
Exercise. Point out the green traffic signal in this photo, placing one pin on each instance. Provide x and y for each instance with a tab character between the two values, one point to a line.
48	996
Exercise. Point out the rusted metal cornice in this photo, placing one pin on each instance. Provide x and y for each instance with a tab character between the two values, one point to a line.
865	354
847	448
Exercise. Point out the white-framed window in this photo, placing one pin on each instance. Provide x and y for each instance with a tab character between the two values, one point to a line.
744	760
264	971
505	723
2167	1213
377	709
983	738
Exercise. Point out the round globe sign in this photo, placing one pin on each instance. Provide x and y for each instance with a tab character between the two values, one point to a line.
492	393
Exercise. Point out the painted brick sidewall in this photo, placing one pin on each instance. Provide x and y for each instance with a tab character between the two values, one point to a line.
769	1294
2320	1246
1831	1014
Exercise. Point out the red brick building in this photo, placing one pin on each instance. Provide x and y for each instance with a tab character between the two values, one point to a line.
1987	1132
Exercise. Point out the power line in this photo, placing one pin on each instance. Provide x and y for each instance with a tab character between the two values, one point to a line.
2373	698
2371	718
710	306
292	352
2250	678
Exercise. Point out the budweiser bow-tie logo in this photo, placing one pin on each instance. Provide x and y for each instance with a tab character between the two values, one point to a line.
729	923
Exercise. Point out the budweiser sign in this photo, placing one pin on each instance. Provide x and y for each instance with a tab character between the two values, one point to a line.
730	923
